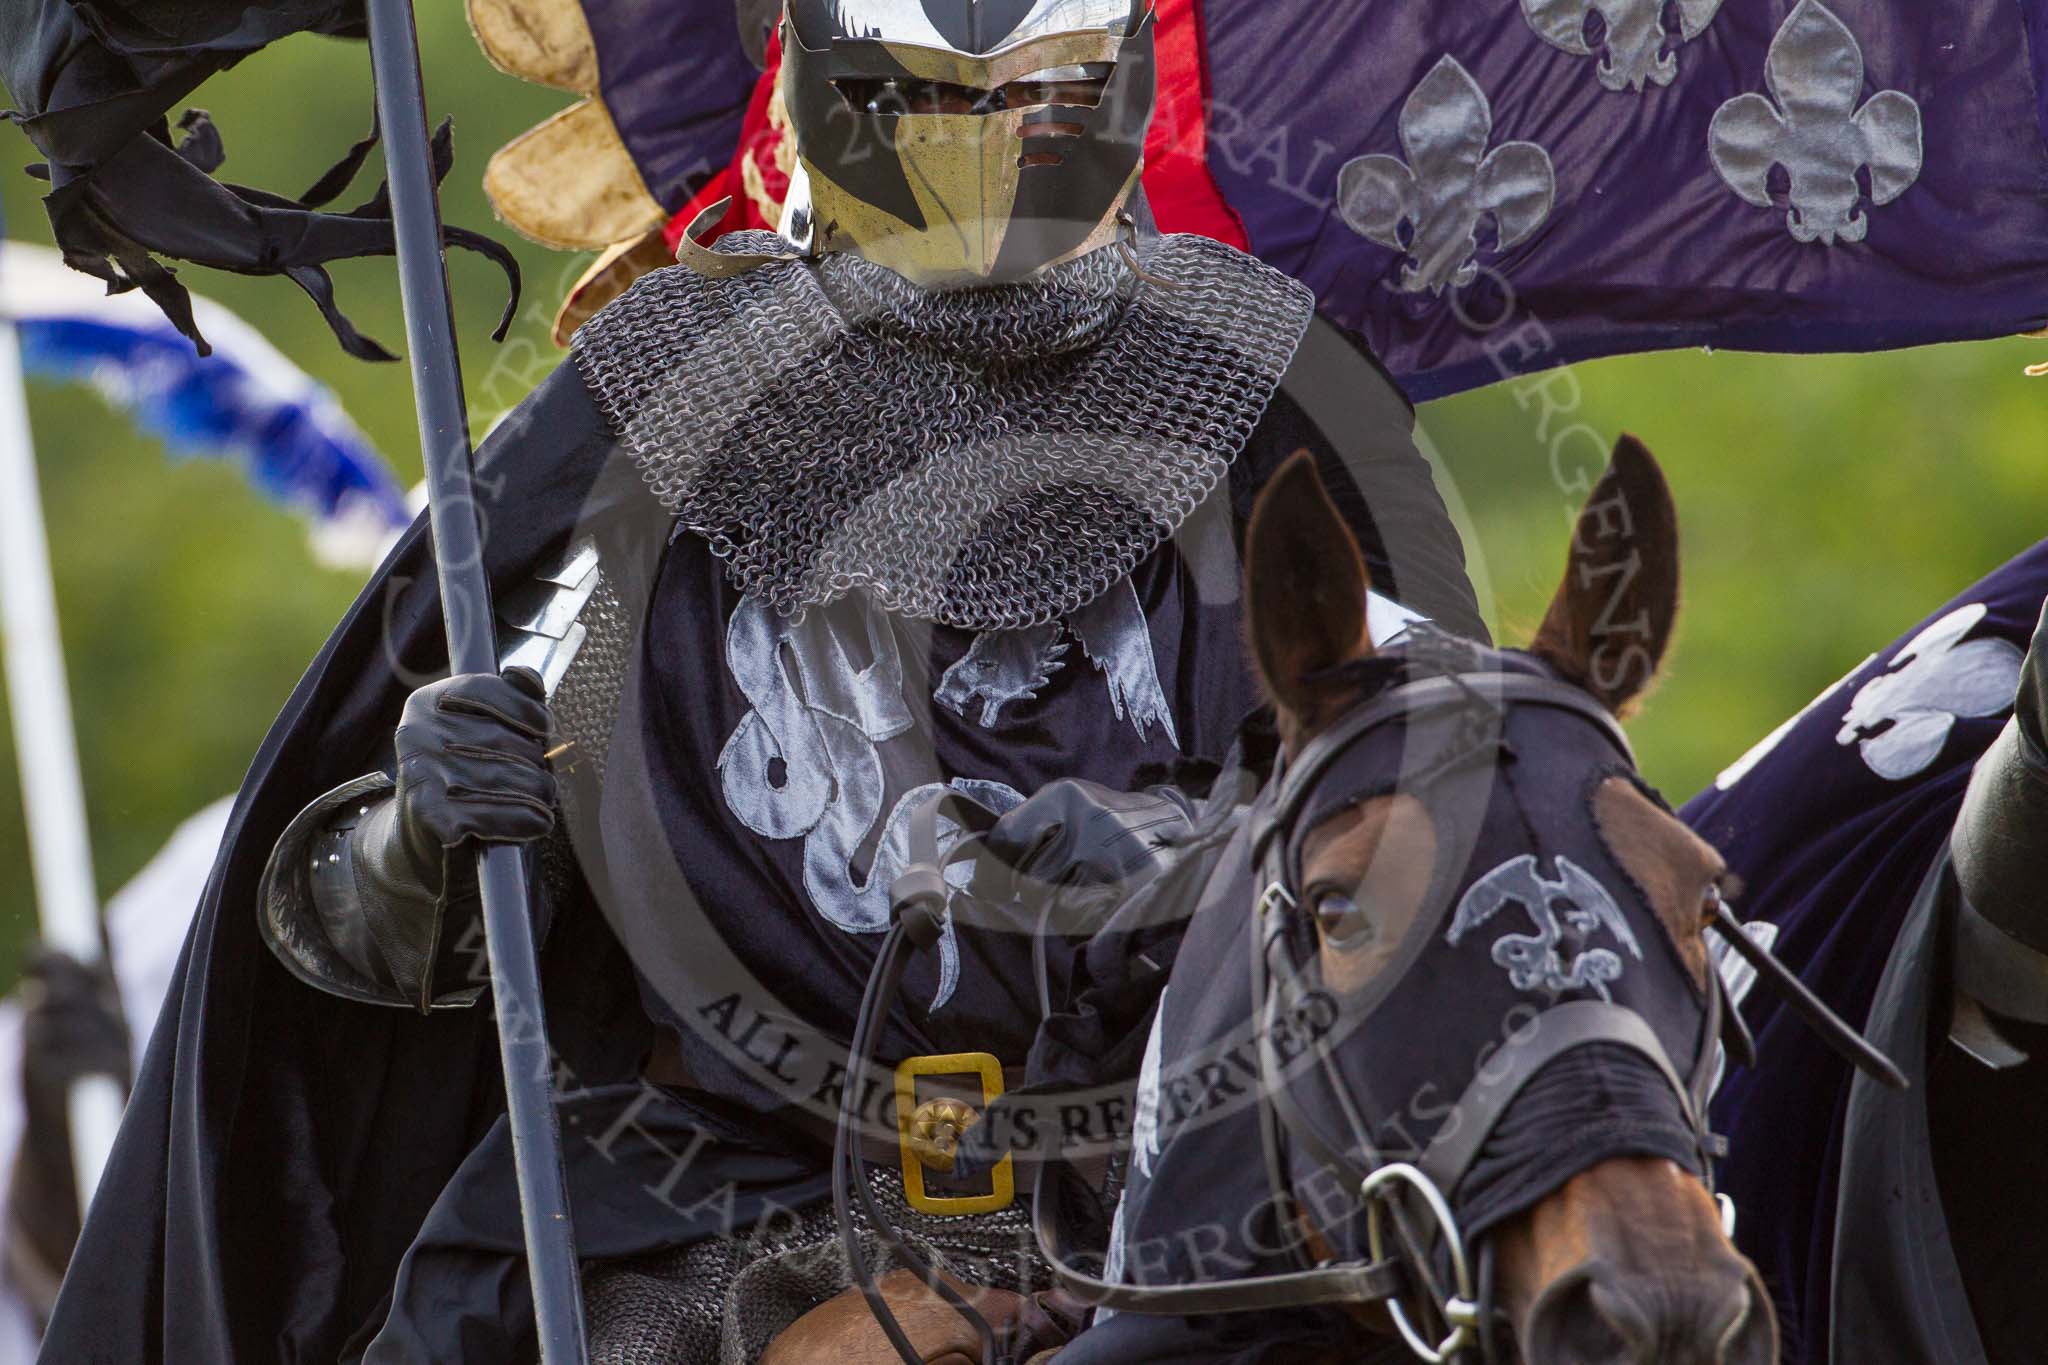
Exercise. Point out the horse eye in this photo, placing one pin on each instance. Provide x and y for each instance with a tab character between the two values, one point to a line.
1344	925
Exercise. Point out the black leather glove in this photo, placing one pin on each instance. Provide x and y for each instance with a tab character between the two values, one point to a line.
1075	833
472	768
71	1027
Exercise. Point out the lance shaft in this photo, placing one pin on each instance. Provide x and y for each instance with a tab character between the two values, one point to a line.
52	794
466	604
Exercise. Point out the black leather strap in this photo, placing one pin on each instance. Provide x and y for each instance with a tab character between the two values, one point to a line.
1351	1283
1554	1032
1297	779
1833	1030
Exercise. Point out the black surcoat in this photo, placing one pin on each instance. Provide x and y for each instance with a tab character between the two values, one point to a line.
290	1155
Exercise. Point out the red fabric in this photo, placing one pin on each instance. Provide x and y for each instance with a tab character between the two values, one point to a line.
1183	194
758	142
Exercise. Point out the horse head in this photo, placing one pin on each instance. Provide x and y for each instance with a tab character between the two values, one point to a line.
1475	875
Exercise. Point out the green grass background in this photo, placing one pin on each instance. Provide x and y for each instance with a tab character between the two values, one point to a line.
1827	502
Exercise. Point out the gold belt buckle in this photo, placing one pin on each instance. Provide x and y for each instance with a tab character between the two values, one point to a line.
918	1149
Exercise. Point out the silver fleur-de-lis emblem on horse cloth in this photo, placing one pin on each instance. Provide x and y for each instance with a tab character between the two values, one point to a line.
1431	206
1817	132
1632	47
1900	719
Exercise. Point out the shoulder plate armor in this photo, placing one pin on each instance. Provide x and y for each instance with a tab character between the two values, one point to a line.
538	622
569	624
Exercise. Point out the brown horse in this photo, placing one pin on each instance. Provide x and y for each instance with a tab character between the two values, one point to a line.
1626	1261
1622	1258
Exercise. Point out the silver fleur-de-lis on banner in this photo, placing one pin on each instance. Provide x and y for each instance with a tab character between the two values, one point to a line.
1817	132
1635	38
1430	206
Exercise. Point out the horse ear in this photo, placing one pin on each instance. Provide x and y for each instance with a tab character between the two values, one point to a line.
1608	626
1305	585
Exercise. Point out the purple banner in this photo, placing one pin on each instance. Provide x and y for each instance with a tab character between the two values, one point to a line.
676	82
1491	190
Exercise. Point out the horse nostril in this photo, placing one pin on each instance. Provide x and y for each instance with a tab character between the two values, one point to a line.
1753	1337
1735	1326
1629	1320
1569	1326
1593	1318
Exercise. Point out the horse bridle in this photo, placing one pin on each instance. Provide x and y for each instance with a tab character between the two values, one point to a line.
1463	1309
1393	1273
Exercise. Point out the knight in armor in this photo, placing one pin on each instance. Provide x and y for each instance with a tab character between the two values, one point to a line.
938	488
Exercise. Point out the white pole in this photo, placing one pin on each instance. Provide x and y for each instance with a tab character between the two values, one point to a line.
46	750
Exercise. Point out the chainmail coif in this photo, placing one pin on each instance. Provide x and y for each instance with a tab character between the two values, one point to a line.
987	458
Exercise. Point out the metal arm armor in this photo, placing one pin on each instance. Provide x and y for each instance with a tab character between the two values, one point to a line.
316	914
1999	851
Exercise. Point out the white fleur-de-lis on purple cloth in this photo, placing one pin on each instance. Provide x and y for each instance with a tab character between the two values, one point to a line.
1817	131
1633	43
1902	717
1431	206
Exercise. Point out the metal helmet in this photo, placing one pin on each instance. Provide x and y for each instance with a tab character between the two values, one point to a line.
963	142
